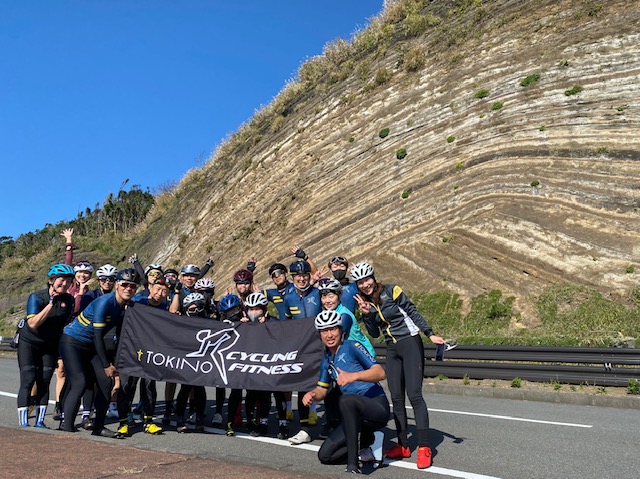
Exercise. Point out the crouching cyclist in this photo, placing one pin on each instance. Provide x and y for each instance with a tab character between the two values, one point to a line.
364	408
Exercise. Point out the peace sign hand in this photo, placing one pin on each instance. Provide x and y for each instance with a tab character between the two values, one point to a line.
364	306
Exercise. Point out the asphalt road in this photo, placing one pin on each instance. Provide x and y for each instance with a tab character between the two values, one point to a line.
472	438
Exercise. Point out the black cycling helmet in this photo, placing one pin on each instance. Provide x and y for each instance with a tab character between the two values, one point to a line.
300	267
277	267
129	275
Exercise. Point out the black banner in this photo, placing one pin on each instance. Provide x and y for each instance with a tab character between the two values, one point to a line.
273	356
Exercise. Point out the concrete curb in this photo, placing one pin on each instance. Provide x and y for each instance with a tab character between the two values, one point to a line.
558	397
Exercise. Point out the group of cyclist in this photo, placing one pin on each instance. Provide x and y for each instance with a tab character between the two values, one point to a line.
73	330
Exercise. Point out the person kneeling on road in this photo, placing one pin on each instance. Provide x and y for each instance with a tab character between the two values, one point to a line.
363	406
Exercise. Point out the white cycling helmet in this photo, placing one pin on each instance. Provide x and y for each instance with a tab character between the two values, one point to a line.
190	269
361	270
152	266
83	266
193	298
205	283
329	285
328	319
256	300
106	271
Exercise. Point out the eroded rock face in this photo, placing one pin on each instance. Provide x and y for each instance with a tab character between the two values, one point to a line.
541	188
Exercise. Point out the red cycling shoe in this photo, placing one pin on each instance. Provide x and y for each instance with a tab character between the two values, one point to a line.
398	452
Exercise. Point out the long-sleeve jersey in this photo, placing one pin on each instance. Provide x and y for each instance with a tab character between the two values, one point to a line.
276	296
99	324
397	317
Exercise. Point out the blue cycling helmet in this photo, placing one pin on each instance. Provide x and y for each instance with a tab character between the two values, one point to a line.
60	269
228	302
300	267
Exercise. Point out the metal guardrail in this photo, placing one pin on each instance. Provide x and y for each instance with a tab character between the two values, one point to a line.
593	366
612	367
4	344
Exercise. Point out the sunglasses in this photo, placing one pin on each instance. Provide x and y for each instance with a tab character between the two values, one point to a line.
277	272
338	260
243	282
109	279
128	285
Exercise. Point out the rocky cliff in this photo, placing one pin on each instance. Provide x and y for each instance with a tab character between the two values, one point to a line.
520	125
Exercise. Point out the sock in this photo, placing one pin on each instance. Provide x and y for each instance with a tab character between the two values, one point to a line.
289	406
376	447
23	416
312	408
40	412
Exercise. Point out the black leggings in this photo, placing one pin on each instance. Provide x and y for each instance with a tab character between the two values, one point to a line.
405	372
263	401
80	363
361	417
148	395
199	400
36	366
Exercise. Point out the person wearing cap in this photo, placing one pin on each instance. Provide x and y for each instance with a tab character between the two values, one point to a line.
48	312
363	405
88	346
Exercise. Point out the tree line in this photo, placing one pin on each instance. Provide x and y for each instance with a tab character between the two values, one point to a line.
118	214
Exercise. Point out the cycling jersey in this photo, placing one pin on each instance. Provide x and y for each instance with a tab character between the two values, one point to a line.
352	329
307	305
100	324
49	332
348	296
144	299
351	357
276	296
90	296
397	317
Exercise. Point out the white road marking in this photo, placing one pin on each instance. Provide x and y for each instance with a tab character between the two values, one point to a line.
511	418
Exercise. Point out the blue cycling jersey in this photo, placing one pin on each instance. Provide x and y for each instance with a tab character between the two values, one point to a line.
276	296
348	296
102	313
143	298
351	357
307	305
352	329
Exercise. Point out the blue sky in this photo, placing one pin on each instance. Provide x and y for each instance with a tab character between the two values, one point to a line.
94	92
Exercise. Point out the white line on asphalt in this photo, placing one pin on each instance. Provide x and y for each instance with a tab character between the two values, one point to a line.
511	418
403	464
12	395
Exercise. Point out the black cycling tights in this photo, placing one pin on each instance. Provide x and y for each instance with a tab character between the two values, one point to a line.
405	372
361	416
199	400
36	366
81	364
